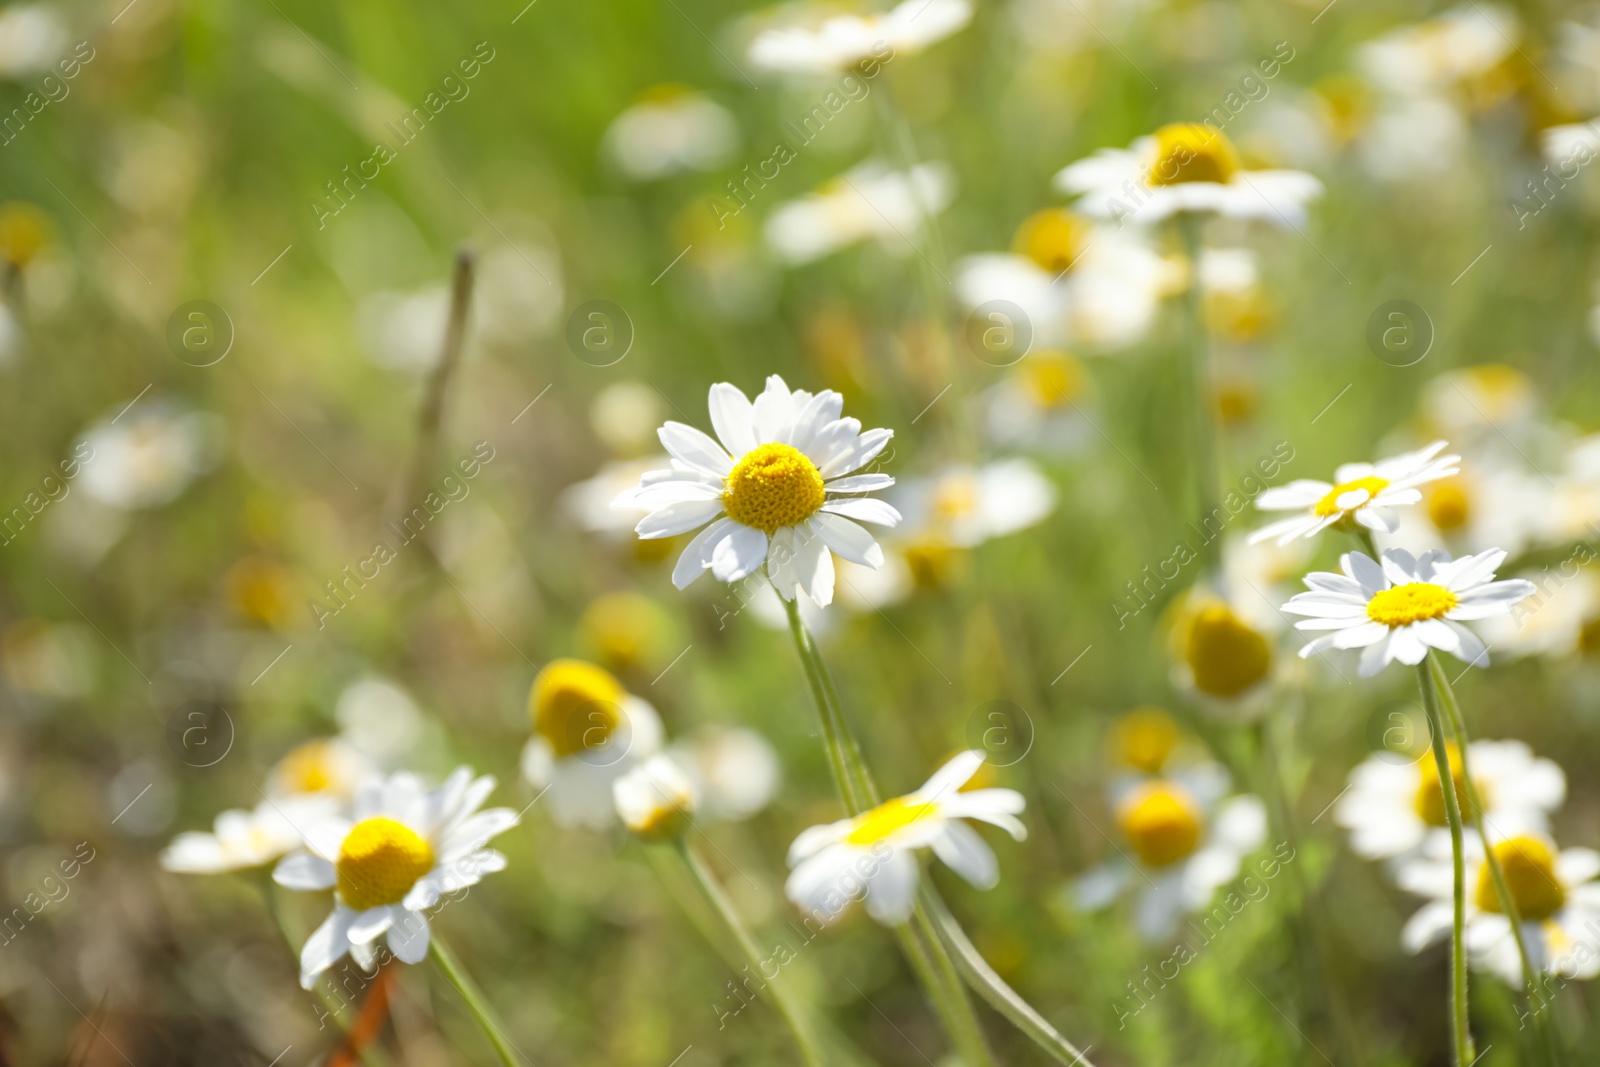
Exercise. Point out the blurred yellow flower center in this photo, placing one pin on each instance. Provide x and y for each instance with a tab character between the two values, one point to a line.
1409	603
1162	823
379	862
1329	505
1226	655
1449	507
955	497
24	231
1430	798
575	706
1052	379
773	486
932	562
888	819
1530	869
623	628
1053	238
1144	739
1193	152
308	768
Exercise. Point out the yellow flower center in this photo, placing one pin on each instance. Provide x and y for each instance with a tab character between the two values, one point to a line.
1053	238
932	562
1226	655
623	628
24	231
1193	152
1430	798
575	706
1144	739
379	862
308	768
1052	379
888	819
1502	388
1530	869
955	497
1162	823
1449	506
1589	637
1409	603
773	486
1329	505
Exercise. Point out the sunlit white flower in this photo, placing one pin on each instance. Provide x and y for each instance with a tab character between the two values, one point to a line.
1360	493
869	201
1394	807
656	800
146	456
1187	841
1480	403
843	40
32	38
966	506
1185	167
1399	609
874	853
1037	404
671	129
244	839
403	847
1561	618
1439	54
1222	654
379	719
592	504
733	769
326	767
1489	503
775	486
1556	895
587	732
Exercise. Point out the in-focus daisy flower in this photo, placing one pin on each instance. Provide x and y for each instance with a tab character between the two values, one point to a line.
671	129
243	839
734	770
587	732
327	766
1360	493
776	487
869	201
843	41
1399	609
875	852
1394	808
403	847
656	800
966	506
146	457
1185	167
1557	899
1185	844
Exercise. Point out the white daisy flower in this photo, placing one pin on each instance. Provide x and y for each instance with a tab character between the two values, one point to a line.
1187	842
1039	404
146	457
593	504
403	847
1439	54
1360	493
1393	808
842	41
869	201
656	800
1562	618
1185	166
327	766
1557	899
1399	609
670	129
587	732
776	487
966	506
874	853
245	839
32	38
734	770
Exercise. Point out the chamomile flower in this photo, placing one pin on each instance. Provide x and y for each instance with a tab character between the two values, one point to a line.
587	732
1185	167
844	40
874	853
869	201
733	769
966	506
1360	493
1186	841
1399	609
1220	650
776	487
671	129
656	800
1562	618
325	767
1394	808
146	457
402	847
593	505
1555	892
243	839
1037	404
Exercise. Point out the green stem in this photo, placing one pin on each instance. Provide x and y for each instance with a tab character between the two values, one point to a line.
1196	376
783	998
1508	904
470	993
1461	1033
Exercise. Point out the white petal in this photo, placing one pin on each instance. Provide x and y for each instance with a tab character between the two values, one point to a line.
408	937
860	483
697	555
733	418
964	852
675	519
956	772
863	451
847	539
696	448
892	889
740	554
305	871
370	923
873	511
814	569
326	946
1431	922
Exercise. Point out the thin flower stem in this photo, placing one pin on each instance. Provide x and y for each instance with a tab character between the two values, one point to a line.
1196	376
492	1029
1508	903
1461	1033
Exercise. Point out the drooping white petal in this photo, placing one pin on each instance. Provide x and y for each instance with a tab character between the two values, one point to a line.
305	871
964	852
847	539
740	554
892	888
675	519
696	557
408	937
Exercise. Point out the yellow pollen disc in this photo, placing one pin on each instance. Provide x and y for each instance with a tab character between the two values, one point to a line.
1052	379
379	862
1161	821
575	705
307	768
932	562
1226	654
1449	506
887	819
24	232
1144	739
1409	603
1329	505
773	486
623	628
1052	238
955	497
1193	152
1530	869
1430	798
